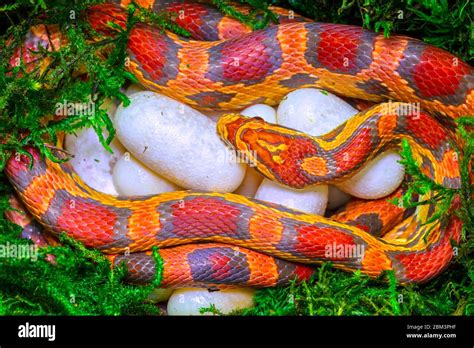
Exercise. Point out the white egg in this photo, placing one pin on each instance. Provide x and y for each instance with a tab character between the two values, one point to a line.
178	143
214	115
311	200
251	182
261	110
131	178
91	161
336	197
189	301
379	178
264	111
313	111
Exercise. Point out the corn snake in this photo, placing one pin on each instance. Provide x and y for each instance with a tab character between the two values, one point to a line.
258	236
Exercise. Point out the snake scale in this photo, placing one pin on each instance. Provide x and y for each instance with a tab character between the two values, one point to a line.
227	240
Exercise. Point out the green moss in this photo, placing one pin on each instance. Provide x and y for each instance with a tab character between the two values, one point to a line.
82	282
332	292
259	9
210	310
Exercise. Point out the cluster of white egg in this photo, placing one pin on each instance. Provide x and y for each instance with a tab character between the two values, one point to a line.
163	145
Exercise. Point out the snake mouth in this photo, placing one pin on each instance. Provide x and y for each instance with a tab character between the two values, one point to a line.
229	124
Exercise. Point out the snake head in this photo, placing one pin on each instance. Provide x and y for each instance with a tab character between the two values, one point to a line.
274	150
23	167
227	127
229	124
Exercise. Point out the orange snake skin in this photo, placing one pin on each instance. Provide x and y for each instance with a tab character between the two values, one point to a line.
217	240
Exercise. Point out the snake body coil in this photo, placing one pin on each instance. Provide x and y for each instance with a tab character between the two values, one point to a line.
250	242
